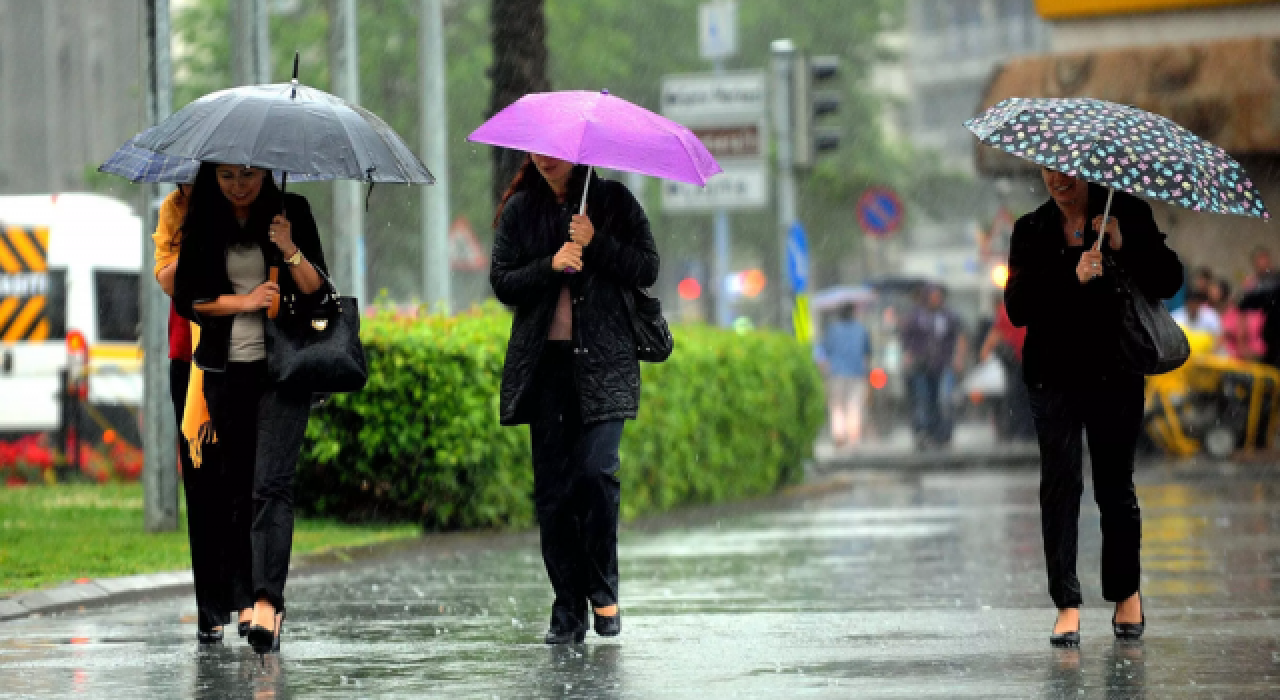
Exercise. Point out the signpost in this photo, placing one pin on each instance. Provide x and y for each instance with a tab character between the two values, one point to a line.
798	271
727	112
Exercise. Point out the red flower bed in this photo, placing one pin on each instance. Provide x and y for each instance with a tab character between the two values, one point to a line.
31	460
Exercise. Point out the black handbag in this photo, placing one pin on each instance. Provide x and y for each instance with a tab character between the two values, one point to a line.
653	338
321	353
1151	342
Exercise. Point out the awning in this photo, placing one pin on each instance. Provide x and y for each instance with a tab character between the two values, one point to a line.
1224	91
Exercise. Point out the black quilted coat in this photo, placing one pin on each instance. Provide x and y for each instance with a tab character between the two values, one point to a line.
622	255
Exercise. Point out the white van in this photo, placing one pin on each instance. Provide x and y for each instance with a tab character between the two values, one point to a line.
68	263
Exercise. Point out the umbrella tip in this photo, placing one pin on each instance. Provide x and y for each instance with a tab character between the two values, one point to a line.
604	91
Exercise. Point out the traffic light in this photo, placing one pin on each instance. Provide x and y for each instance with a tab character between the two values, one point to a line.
812	99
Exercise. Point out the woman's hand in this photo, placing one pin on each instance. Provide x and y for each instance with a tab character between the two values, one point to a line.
261	296
581	231
1090	266
1115	239
281	233
570	256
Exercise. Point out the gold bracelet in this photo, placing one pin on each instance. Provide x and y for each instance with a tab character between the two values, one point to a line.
295	259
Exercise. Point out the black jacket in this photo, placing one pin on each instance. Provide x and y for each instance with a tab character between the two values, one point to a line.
621	256
202	277
1073	329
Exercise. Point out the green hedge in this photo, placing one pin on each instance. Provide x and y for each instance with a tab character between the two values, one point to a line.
728	416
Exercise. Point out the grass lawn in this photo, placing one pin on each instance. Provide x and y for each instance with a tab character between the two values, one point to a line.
56	534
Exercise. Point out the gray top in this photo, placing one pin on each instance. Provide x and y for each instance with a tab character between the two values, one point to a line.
247	269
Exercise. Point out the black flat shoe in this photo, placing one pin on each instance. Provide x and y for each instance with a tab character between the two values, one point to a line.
1066	640
1130	630
212	636
561	635
607	626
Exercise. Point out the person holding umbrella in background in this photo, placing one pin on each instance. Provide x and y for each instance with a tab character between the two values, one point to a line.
571	253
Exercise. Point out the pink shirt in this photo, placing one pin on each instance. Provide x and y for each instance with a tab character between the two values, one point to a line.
1235	320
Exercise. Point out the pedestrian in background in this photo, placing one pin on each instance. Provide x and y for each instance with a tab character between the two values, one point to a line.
1199	315
1063	292
571	371
1241	330
844	355
934	349
233	234
207	519
1004	341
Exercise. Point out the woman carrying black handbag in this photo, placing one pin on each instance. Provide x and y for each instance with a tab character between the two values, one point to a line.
1074	301
238	227
571	369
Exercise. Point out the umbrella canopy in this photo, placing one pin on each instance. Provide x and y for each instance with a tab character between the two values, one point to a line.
598	129
288	127
1123	148
140	165
844	295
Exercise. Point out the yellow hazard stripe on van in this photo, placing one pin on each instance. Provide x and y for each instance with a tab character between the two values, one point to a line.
24	255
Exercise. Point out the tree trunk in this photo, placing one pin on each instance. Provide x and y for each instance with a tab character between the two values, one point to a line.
519	38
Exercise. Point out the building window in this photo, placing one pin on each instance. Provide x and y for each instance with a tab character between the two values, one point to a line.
116	294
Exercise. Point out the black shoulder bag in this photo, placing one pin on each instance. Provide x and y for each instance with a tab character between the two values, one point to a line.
653	338
322	354
1151	342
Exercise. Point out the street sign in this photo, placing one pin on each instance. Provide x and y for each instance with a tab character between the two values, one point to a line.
727	113
798	258
711	99
740	186
880	211
465	252
718	29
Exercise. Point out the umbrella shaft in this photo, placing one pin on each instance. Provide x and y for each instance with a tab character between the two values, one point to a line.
1106	214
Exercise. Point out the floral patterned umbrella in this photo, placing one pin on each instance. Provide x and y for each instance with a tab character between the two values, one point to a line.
1121	147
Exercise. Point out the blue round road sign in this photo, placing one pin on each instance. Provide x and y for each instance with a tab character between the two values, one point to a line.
880	211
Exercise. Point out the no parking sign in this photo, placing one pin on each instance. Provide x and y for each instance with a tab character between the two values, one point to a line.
880	212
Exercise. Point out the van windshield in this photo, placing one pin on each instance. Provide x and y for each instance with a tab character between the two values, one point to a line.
116	295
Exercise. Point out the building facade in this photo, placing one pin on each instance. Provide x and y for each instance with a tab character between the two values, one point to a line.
71	89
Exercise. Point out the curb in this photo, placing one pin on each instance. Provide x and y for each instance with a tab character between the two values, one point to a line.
127	589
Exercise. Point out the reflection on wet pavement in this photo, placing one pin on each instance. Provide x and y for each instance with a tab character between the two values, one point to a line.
897	586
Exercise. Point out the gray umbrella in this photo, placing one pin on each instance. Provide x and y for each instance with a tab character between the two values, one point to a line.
291	128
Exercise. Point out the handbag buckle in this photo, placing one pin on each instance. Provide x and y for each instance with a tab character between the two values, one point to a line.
320	324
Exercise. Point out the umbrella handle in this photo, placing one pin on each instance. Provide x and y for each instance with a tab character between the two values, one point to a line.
284	183
582	208
1106	214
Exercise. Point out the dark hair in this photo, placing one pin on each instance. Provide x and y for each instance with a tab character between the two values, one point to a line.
528	179
1223	286
1205	272
210	216
1198	296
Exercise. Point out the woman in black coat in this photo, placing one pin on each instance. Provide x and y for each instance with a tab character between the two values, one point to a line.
1066	295
238	226
571	371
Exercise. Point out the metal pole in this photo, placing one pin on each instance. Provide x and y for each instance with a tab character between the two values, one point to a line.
348	201
434	130
262	41
243	61
783	51
159	434
722	239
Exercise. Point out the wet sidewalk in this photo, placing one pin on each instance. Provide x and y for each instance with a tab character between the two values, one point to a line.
891	585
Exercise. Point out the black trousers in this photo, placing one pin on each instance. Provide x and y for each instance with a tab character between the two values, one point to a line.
206	518
576	492
1110	413
260	430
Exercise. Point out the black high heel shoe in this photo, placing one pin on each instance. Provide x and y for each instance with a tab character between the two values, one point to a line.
1130	630
1066	640
243	628
609	625
265	641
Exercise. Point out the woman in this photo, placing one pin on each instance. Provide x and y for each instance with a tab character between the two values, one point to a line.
238	226
1064	293
203	490
571	371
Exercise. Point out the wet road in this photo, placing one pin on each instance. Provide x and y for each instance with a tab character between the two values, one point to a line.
927	585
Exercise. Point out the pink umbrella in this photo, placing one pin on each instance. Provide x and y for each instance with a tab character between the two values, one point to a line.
598	129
